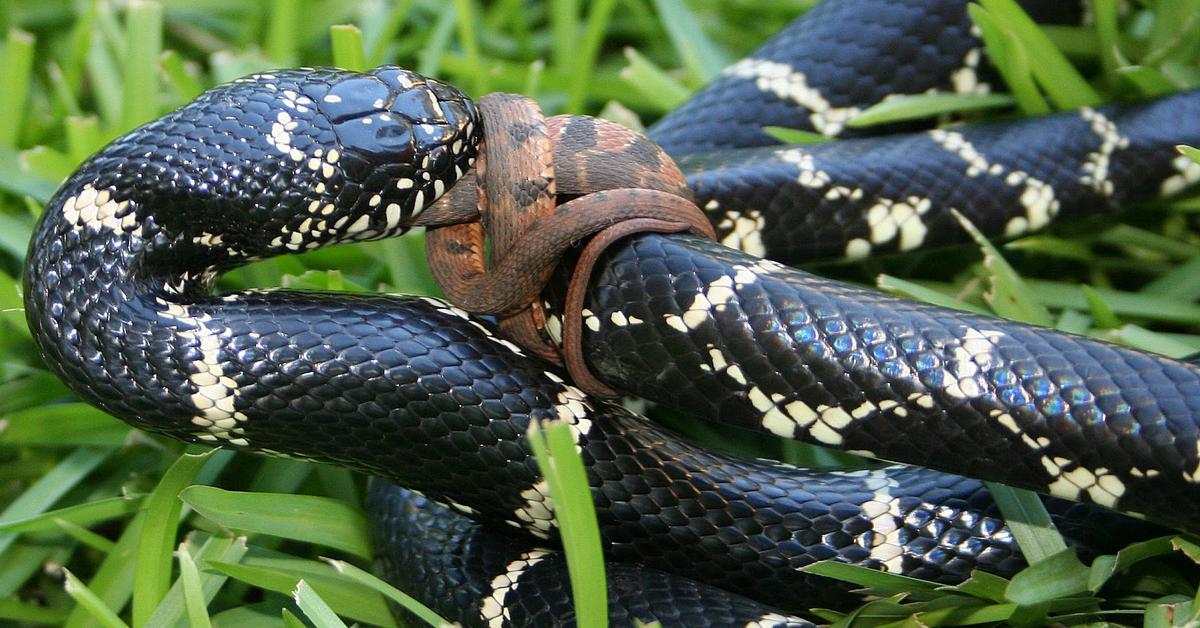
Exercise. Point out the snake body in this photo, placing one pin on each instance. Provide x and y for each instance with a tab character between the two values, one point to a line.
420	393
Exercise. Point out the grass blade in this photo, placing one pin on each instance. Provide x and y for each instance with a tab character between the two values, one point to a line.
554	447
1010	60
315	608
918	106
1029	522
663	91
599	14
174	608
154	553
90	602
347	598
283	23
1060	80
701	57
320	520
468	15
1009	296
49	488
348	50
193	594
15	69
143	45
178	76
1058	575
396	595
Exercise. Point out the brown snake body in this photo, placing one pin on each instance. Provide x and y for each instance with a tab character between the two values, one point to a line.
618	183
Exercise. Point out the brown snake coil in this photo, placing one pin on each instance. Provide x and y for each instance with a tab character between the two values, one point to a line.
618	182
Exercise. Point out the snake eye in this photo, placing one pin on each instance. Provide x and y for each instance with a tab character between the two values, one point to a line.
382	138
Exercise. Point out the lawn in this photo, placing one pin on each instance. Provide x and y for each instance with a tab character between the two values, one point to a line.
103	524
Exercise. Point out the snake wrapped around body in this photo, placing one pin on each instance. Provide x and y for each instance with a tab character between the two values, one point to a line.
418	392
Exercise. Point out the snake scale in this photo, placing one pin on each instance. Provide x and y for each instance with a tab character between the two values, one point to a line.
416	391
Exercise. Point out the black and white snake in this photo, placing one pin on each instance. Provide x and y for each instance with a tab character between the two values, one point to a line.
413	390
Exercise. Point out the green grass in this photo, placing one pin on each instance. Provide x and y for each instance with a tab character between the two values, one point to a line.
148	539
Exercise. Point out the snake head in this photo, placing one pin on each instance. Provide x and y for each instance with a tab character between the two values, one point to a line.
402	130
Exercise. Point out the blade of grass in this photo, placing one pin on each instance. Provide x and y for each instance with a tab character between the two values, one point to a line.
1057	294
283	23
24	614
1104	16
410	603
1009	296
378	40
1154	342
154	554
193	593
174	607
663	91
317	611
104	77
63	93
143	45
1149	81
564	31
1101	313
796	136
348	47
90	602
918	292
1010	61
1055	576
49	488
554	447
178	76
468	38
429	60
15	69
347	598
83	137
84	536
1060	80
701	57
598	17
1029	522
870	578
113	581
63	424
320	520
917	106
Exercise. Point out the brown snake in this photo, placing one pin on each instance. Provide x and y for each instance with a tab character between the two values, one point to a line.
618	183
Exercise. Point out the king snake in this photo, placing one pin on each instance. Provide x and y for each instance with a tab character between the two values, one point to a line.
418	392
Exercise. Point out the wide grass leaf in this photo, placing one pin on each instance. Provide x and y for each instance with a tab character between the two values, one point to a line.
345	597
319	520
1057	576
396	595
315	609
553	444
154	555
